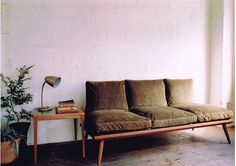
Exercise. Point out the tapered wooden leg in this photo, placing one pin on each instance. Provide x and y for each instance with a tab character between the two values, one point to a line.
192	129
35	139
75	128
83	136
101	145
226	133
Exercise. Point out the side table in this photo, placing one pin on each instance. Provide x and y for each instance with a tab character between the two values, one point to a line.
52	115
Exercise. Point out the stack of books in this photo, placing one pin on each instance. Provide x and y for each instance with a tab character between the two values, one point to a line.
67	106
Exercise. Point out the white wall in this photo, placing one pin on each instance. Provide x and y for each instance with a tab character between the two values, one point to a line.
228	95
221	53
82	40
216	15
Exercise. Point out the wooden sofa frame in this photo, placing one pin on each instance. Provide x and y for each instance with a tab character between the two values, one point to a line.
101	138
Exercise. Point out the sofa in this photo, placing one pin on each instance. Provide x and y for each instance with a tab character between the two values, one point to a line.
129	108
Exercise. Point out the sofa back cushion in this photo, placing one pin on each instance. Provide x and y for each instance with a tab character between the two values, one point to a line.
142	93
179	91
103	95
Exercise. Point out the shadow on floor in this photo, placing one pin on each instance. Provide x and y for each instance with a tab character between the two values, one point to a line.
205	147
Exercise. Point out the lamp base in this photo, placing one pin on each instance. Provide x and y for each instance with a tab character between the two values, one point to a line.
44	109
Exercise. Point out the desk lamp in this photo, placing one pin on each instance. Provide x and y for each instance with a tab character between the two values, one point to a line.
53	81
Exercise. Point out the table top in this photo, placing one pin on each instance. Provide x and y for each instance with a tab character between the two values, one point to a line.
51	115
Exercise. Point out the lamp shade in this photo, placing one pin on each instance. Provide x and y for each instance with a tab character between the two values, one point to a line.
53	81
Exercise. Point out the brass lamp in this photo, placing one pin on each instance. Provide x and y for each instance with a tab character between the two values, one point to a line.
53	81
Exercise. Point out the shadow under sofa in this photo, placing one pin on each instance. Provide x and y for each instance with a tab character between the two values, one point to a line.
121	109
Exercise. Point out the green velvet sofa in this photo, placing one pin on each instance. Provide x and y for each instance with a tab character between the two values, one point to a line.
121	109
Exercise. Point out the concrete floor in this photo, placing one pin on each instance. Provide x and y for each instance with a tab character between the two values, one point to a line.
201	147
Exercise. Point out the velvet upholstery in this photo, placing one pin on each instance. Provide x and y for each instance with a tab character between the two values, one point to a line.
179	91
142	93
151	104
206	112
116	120
105	95
162	116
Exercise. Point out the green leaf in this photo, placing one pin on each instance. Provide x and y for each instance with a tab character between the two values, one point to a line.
16	94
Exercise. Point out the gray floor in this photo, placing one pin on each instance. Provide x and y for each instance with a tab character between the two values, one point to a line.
201	147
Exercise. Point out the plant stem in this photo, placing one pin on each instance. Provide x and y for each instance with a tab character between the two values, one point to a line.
12	107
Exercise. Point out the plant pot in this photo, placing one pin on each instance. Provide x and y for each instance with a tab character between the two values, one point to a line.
8	154
20	128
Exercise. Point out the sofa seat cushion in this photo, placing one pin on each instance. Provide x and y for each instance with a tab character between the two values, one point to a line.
115	120
162	116
142	93
205	112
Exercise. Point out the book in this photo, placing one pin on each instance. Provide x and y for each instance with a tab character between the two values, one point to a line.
66	103
67	106
72	109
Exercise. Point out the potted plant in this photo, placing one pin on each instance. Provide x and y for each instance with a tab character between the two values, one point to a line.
17	118
9	143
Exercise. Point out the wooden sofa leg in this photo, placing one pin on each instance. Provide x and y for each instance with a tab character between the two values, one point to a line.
226	133
192	129
100	152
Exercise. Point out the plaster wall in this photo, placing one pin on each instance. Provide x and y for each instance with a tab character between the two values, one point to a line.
82	40
228	91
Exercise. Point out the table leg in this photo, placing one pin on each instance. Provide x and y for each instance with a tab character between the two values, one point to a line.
35	139
83	135
75	128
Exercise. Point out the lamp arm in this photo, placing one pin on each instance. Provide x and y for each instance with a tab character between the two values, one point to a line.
42	94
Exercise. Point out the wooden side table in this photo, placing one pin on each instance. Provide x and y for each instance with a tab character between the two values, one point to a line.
52	115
